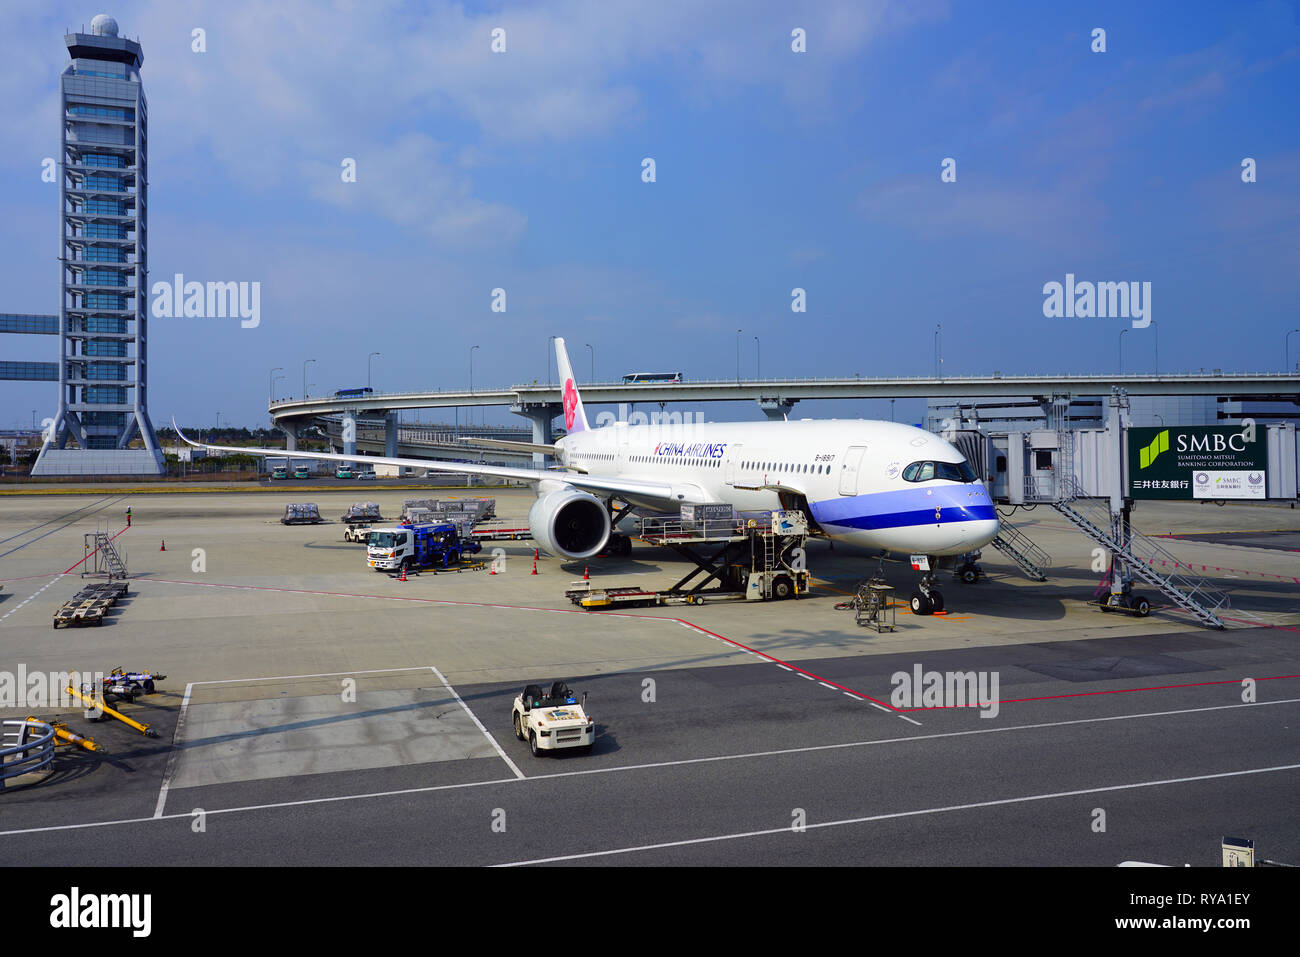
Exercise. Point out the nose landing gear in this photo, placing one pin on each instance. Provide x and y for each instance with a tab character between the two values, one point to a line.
927	599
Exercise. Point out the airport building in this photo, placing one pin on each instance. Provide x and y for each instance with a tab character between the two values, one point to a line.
103	209
1027	414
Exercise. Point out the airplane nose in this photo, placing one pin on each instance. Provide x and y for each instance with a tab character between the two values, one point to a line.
983	532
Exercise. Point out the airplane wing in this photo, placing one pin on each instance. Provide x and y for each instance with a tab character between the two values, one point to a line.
639	490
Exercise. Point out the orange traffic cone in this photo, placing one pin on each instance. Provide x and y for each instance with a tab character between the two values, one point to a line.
163	546
534	566
536	553
586	573
492	567
402	577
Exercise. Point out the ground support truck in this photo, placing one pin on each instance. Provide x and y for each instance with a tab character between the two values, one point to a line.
435	545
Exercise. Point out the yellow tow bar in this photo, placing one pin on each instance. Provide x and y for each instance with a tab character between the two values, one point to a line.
67	737
101	705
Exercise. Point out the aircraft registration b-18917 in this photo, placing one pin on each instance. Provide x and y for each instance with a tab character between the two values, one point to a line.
880	485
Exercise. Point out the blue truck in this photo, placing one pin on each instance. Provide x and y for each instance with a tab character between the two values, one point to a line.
425	545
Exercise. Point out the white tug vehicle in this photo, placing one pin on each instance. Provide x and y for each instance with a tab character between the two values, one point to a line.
555	721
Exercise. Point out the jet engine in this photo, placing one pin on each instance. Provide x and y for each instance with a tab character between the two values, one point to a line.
569	523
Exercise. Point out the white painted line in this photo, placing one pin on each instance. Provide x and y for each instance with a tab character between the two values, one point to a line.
804	676
785	667
327	674
825	685
473	717
901	814
850	694
30	597
172	757
663	764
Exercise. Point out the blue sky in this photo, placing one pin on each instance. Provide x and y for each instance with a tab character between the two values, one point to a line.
775	170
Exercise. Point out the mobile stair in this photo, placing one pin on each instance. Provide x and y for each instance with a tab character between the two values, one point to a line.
1143	558
1018	547
105	560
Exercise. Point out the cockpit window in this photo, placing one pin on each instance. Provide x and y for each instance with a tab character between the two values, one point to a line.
948	471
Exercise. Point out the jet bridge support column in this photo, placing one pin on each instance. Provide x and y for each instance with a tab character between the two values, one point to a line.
541	416
1116	420
775	407
390	435
350	434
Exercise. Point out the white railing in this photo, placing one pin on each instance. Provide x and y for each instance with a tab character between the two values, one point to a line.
33	750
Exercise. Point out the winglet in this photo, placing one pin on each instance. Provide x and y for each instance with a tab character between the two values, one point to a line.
575	419
184	438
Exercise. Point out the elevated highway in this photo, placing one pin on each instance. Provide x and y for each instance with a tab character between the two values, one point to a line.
541	403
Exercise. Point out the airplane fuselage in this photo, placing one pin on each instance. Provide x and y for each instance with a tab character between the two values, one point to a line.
853	474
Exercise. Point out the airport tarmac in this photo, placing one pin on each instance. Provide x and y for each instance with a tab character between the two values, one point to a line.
309	697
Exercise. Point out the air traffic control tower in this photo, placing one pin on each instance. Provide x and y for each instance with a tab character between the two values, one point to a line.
103	263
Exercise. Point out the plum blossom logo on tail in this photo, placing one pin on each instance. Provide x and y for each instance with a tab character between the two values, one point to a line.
570	404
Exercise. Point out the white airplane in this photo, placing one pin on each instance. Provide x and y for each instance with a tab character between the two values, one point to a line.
880	485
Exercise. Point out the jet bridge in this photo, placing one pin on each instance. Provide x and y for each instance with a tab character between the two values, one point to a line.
1092	477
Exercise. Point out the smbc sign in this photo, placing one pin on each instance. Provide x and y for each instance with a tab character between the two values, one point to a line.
1197	461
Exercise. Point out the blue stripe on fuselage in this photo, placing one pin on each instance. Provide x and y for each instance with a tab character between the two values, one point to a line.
907	507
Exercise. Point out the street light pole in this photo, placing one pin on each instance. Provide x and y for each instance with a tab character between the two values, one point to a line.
304	377
270	384
593	362
938	345
549	350
471	379
1156	326
758	358
1121	350
1286	352
738	332
368	358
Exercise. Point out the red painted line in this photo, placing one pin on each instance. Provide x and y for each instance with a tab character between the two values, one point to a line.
1260	624
1085	694
1240	571
123	529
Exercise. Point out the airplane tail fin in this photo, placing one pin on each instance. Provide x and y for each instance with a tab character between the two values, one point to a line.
575	419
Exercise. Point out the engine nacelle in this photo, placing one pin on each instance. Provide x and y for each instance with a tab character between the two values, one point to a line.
569	523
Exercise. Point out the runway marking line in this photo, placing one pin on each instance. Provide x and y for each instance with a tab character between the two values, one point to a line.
479	724
650	766
30	597
170	770
1001	802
